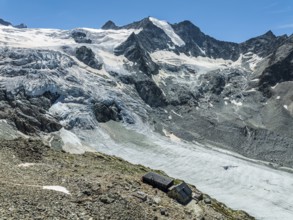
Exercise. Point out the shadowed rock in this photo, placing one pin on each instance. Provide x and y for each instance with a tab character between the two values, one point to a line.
110	25
87	56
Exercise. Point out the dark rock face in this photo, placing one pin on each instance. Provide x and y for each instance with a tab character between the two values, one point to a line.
279	68
87	56
80	37
137	24
29	113
5	23
216	83
151	38
28	110
105	112
181	96
21	26
150	93
110	25
199	44
280	71
263	45
134	51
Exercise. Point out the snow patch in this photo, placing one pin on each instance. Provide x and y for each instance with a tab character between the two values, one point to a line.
113	63
286	107
26	164
236	103
251	90
175	113
200	64
249	59
201	50
57	188
273	87
278	97
168	31
253	61
108	39
34	38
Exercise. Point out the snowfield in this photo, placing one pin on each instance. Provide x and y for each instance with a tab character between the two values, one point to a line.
49	38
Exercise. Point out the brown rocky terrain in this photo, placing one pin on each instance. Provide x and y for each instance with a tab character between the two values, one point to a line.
96	186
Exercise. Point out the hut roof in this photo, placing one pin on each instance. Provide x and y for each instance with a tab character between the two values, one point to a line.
158	180
183	189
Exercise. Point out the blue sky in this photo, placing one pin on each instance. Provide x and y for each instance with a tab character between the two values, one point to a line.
230	20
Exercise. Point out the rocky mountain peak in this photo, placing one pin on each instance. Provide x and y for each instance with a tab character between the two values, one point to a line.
110	25
200	44
270	35
21	26
262	45
139	24
6	23
186	25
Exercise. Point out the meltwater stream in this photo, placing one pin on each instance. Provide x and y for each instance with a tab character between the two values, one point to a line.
263	192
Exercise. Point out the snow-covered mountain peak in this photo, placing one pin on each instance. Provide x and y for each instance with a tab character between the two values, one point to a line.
166	27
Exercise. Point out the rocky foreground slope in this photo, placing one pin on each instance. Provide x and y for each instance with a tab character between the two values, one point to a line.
91	186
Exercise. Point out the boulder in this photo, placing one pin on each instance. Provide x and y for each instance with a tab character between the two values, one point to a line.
107	112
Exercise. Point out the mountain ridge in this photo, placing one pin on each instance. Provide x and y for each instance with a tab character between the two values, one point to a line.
6	23
200	44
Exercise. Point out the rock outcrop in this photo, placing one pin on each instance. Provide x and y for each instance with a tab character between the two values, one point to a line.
87	56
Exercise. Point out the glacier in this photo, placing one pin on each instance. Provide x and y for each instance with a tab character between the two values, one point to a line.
247	185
